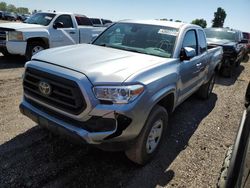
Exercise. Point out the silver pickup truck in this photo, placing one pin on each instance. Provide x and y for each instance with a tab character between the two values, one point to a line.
118	92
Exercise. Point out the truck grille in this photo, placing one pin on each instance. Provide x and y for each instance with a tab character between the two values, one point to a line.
64	94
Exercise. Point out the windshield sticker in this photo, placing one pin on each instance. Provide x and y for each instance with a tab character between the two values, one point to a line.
48	18
168	32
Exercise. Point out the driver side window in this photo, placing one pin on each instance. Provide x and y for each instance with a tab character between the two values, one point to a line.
66	20
190	40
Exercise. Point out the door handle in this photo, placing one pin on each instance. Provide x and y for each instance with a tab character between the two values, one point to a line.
72	32
198	64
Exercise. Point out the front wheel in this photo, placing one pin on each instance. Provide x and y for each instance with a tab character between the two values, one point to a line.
151	136
33	48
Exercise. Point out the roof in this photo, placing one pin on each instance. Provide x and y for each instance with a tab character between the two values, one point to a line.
176	25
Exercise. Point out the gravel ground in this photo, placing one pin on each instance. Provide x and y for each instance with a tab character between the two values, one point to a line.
191	157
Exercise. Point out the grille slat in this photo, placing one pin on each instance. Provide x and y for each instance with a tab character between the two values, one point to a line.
65	94
50	98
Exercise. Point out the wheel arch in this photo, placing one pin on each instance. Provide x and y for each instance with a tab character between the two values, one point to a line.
43	40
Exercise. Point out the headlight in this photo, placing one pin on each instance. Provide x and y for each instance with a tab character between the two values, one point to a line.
15	35
118	94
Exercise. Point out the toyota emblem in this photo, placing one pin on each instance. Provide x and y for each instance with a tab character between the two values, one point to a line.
45	88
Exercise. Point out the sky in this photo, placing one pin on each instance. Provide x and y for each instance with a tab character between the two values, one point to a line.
238	11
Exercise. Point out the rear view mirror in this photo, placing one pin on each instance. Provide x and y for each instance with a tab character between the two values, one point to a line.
247	97
187	53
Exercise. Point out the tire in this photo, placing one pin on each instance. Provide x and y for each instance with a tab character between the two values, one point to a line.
34	47
145	148
6	54
205	90
222	180
227	72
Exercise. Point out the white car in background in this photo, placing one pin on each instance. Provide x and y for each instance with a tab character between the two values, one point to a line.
46	30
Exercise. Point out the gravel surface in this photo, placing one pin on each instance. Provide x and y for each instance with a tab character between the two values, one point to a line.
191	157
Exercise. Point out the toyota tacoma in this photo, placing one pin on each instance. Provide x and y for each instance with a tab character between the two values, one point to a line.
118	92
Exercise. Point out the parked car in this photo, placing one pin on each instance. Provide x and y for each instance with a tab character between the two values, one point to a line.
236	167
98	22
46	30
1	15
246	36
11	16
118	92
233	47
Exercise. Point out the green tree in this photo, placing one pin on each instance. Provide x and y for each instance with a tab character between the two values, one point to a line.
3	6
22	10
219	17
200	22
178	21
11	8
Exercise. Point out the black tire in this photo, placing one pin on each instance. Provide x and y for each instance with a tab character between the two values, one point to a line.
6	54
30	48
222	180
138	153
205	90
227	71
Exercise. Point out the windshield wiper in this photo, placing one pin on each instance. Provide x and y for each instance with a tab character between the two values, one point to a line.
102	44
133	50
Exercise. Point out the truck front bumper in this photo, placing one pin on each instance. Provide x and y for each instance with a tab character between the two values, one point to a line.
61	127
16	47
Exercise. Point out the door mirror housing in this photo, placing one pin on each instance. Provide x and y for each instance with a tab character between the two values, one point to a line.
187	53
58	25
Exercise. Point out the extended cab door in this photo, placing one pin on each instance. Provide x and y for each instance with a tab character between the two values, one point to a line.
203	56
64	32
190	69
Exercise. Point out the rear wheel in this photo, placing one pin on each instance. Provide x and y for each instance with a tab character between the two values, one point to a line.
33	48
6	54
205	90
147	144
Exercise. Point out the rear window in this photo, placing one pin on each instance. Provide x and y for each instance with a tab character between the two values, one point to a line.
83	21
96	21
246	35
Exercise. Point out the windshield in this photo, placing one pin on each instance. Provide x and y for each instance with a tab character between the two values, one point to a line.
141	38
221	34
40	19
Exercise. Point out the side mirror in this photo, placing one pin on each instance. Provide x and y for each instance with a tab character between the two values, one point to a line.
244	41
247	97
58	25
187	53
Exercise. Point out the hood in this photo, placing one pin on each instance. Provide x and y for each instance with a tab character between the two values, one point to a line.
99	64
220	42
18	26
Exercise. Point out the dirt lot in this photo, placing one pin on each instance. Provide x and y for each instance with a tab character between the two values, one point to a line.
191	157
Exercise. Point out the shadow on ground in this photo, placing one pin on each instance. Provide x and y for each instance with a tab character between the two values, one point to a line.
39	159
230	81
11	62
246	58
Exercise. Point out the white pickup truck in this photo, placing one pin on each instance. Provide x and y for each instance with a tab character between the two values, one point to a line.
46	30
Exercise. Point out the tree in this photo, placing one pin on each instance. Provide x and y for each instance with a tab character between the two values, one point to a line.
22	10
3	6
219	17
11	8
178	21
200	22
